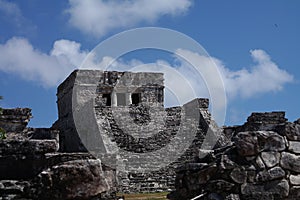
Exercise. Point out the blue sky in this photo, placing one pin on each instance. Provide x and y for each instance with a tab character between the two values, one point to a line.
254	43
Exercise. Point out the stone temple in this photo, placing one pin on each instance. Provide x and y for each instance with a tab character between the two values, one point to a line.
121	115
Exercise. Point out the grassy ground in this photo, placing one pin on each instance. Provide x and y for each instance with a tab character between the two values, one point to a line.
148	196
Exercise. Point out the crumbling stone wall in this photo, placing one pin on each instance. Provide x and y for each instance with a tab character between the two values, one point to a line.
261	162
15	119
31	167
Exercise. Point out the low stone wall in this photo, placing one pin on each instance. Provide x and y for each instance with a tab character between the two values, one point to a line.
12	120
262	162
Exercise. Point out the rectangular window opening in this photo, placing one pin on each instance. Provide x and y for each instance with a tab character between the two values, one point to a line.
136	98
107	99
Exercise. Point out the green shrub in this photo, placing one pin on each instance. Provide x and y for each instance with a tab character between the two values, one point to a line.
2	134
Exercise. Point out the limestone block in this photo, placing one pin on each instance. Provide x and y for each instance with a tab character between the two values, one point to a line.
271	174
259	163
247	143
290	162
292	131
79	179
252	142
274	188
270	158
295	179
294	147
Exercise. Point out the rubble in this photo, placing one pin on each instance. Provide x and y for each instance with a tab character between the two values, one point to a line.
263	162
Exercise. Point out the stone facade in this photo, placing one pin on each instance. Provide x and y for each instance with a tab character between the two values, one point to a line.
261	162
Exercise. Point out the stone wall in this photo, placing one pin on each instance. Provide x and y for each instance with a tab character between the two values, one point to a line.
15	119
31	167
262	162
158	136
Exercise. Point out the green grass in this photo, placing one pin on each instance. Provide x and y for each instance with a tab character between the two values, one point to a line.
146	196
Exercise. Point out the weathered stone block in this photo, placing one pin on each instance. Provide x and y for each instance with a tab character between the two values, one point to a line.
290	161
294	147
292	131
247	143
271	174
252	142
273	188
270	158
79	179
295	179
259	163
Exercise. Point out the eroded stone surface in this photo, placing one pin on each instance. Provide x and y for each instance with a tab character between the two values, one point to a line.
247	143
252	142
290	162
292	131
295	179
278	188
79	179
294	147
271	174
270	158
29	156
260	164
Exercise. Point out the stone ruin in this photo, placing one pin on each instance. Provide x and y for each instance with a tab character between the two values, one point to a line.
257	160
262	161
127	111
32	168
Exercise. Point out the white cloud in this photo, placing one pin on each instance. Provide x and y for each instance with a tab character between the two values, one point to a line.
10	9
97	17
19	57
11	13
264	76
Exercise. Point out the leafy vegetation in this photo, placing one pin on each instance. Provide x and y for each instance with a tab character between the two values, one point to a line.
2	134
